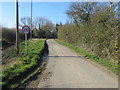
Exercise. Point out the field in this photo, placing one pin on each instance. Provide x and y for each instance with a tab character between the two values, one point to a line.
22	66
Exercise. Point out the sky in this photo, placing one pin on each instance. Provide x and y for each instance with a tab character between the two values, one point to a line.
54	11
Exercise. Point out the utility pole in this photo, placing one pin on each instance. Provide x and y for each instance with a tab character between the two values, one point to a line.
17	28
31	21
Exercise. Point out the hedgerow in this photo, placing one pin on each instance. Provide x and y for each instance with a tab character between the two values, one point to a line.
93	27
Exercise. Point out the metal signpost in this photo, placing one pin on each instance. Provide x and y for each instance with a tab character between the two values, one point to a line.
26	30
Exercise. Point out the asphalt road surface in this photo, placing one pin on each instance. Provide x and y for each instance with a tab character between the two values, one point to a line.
67	69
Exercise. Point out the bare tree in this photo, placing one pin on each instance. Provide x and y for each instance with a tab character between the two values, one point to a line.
48	25
25	21
81	11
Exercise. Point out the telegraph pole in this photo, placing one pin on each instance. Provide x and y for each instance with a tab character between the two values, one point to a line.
31	21
17	28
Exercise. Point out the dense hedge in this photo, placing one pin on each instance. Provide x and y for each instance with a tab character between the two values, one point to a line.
102	41
9	36
97	32
25	63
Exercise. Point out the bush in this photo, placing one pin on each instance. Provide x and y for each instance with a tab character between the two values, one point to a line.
97	34
9	36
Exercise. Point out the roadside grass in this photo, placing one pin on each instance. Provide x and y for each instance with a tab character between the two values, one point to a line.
9	55
21	83
113	66
17	72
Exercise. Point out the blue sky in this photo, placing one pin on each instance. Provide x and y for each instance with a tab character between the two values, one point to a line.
54	11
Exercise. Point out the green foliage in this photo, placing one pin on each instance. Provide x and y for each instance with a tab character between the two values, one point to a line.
43	28
9	35
81	11
113	66
97	33
11	73
45	34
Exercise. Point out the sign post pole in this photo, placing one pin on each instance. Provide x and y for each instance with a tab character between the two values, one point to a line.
26	44
26	30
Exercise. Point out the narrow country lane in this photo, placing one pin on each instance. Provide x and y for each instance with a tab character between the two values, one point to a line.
67	69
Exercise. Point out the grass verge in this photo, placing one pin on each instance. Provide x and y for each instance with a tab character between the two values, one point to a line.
18	72
113	66
21	84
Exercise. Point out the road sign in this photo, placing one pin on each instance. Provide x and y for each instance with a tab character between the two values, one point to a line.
26	29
